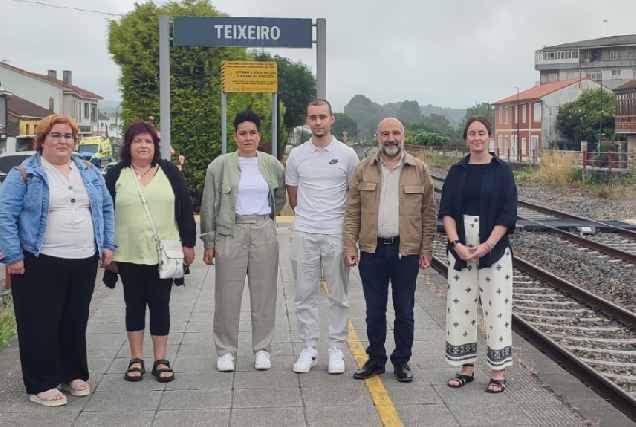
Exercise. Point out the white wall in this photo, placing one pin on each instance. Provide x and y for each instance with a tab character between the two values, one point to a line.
32	89
553	101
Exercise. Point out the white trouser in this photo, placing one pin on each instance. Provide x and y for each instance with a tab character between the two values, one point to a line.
493	285
308	253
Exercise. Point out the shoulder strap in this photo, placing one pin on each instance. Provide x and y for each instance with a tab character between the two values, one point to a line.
23	172
88	164
143	201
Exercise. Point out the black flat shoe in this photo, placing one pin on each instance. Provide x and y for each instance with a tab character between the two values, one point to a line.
156	372
403	373
370	368
141	370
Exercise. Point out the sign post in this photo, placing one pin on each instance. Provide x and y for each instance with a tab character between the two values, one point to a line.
253	77
238	32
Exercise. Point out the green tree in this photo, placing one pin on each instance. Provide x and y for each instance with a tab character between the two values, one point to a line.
344	123
409	112
366	113
427	138
579	120
296	88
195	85
484	109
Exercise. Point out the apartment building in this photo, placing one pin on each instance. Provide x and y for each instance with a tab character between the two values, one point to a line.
626	113
610	61
526	122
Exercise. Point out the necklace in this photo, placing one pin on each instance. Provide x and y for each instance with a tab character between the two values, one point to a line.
142	174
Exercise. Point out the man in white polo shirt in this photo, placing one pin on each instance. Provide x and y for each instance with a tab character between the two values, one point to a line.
318	175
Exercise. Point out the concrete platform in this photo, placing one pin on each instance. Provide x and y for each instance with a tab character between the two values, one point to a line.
539	392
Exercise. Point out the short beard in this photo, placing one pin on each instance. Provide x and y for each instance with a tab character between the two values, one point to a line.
394	151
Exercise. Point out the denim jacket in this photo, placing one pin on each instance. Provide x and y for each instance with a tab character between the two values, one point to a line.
24	209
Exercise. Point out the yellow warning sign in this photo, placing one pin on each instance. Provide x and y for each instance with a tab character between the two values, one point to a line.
249	76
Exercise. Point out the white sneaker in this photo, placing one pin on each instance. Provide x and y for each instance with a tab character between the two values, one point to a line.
306	360
225	363
262	360
336	361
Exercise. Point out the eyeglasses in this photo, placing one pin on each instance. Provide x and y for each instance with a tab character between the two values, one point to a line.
56	136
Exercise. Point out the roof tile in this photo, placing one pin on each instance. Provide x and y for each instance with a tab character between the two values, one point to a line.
538	92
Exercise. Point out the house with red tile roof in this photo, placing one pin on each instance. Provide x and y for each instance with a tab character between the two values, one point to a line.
58	96
626	112
526	122
24	116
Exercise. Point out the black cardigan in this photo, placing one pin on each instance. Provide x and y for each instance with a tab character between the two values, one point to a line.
498	206
184	214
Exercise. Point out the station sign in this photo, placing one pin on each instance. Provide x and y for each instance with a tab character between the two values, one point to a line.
242	32
249	76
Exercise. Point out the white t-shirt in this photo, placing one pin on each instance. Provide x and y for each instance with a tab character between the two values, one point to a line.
323	178
252	197
69	225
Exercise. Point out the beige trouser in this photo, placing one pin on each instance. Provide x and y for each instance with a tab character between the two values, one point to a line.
491	285
252	251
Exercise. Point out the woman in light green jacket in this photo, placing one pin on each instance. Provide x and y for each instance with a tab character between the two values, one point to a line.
244	191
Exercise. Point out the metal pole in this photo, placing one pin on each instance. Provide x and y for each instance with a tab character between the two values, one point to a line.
164	84
600	122
517	120
321	58
223	123
274	125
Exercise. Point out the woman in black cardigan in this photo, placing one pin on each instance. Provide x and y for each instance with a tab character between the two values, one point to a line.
479	210
136	257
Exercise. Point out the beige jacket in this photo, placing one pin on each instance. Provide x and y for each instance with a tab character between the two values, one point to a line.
418	220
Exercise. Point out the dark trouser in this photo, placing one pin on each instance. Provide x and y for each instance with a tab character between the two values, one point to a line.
142	286
376	269
51	303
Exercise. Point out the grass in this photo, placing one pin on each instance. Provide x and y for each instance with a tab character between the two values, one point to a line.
432	158
560	169
7	320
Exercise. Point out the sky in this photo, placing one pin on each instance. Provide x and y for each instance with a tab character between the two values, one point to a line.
449	53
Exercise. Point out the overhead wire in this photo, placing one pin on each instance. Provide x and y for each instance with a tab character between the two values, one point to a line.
39	3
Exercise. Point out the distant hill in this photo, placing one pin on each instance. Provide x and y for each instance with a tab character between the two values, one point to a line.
108	107
453	115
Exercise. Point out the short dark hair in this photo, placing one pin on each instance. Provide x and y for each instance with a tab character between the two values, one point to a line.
319	101
481	119
247	116
134	129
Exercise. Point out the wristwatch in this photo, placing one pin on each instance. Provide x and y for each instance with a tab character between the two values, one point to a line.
455	242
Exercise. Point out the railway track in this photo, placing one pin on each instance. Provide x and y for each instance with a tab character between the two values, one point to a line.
619	243
594	339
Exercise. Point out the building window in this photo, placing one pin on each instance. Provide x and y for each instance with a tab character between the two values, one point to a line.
499	144
506	144
537	112
506	118
615	54
596	75
93	113
87	107
51	104
523	146
523	113
500	115
516	114
28	129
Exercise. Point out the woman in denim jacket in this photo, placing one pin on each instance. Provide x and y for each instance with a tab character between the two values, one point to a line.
56	220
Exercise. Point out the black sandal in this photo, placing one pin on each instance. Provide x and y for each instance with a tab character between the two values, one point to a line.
141	370
497	383
462	380
157	372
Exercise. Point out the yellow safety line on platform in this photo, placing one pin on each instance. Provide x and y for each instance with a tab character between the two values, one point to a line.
380	397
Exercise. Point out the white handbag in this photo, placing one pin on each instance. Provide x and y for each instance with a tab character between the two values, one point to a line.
170	251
